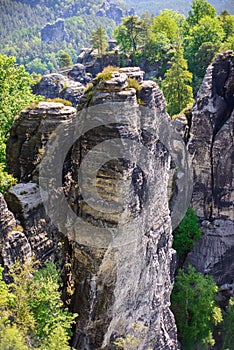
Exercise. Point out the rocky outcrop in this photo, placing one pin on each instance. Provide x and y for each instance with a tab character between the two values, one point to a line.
29	135
54	32
212	148
13	243
78	73
58	86
211	142
126	282
122	261
112	11
28	233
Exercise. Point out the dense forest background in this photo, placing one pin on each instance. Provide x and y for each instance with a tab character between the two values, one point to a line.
21	22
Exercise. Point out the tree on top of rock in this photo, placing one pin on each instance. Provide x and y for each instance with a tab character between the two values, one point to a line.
98	40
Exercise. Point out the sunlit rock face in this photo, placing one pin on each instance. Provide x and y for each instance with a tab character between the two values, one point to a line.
29	135
123	284
122	261
56	85
212	148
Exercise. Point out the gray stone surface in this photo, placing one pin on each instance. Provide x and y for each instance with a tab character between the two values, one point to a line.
57	85
29	135
54	32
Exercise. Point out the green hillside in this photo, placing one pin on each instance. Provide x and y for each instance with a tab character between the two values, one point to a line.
181	6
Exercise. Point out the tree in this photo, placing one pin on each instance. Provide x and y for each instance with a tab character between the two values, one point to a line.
186	233
65	60
168	23
98	40
176	85
227	22
195	309
200	9
207	30
228	326
31	310
15	94
133	30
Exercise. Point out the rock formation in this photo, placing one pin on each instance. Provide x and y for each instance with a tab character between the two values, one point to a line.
112	11
212	147
57	85
122	262
54	32
29	134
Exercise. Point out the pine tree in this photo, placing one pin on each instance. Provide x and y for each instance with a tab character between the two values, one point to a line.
98	40
177	84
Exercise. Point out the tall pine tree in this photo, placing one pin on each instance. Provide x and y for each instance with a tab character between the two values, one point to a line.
98	40
177	84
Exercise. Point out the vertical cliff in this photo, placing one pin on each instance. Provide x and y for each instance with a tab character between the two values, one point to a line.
212	148
117	222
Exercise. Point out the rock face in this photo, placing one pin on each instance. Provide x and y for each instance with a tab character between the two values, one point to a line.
112	11
211	141
122	262
54	32
56	85
29	134
28	233
212	147
128	284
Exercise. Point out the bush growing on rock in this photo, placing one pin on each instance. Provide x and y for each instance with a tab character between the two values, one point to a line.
31	310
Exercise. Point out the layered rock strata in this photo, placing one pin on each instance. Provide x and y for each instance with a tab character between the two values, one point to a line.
212	148
29	135
58	86
122	260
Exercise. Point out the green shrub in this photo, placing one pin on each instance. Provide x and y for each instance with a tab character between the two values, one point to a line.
6	180
59	100
31	310
106	74
133	83
88	88
228	327
195	309
186	233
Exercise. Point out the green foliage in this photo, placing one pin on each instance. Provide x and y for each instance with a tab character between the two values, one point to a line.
133	339
177	84
106	74
98	40
195	309
130	34
186	233
59	100
133	83
200	9
65	60
228	326
31	311
15	94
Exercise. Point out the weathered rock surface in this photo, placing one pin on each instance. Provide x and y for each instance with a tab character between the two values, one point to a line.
28	233
212	148
212	141
54	32
112	11
29	135
117	287
78	73
213	255
57	85
123	274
